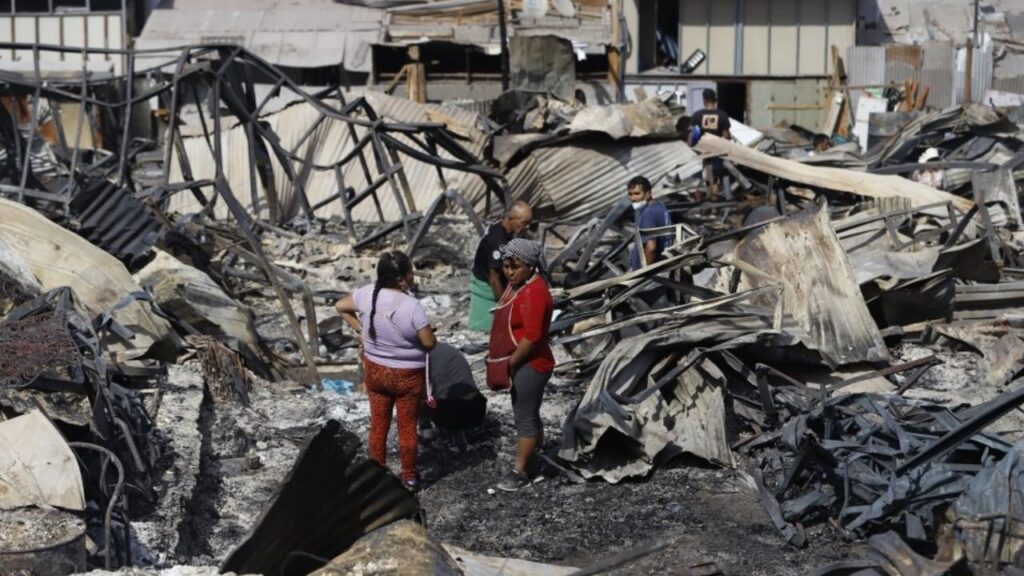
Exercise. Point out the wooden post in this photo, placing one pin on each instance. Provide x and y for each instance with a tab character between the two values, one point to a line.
417	86
416	79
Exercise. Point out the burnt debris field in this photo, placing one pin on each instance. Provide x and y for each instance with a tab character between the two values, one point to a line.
821	376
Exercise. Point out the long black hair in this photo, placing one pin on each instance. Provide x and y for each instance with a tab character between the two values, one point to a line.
391	268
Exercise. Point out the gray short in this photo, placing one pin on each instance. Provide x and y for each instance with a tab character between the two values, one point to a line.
527	393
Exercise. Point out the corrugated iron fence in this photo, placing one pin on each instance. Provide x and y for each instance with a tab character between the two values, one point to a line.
939	66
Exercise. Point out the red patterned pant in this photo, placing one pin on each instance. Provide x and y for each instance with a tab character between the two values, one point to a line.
388	387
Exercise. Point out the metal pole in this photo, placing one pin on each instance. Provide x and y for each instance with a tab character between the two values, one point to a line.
503	33
975	22
623	47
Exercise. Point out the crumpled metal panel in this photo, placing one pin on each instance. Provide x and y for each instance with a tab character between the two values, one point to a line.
626	420
804	254
58	257
998	186
989	515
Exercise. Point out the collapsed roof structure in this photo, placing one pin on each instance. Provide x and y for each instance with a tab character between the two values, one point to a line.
772	335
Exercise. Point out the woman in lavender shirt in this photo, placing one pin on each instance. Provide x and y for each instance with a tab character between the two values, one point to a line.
395	343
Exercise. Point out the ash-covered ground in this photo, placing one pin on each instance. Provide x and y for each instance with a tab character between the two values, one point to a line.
705	513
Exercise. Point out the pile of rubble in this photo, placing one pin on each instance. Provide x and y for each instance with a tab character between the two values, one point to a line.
840	343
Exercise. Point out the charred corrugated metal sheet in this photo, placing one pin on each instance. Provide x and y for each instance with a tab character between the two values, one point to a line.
804	255
112	218
326	503
985	524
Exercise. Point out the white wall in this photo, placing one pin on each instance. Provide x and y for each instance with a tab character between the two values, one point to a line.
71	30
769	38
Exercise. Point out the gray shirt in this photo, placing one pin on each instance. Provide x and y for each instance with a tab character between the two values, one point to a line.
450	373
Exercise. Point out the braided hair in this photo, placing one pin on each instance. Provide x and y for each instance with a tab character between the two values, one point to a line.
391	268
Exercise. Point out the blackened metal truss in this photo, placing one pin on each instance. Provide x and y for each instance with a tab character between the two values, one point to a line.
95	192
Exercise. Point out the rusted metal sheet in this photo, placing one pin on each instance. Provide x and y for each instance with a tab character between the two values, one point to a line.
902	63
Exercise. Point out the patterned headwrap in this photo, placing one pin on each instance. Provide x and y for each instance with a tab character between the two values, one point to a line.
530	252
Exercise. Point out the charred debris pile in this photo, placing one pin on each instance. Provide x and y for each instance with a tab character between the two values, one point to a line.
787	332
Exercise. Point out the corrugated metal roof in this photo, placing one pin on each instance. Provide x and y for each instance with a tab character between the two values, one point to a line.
584	177
309	34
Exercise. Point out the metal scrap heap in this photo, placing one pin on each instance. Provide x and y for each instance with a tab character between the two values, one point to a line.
788	328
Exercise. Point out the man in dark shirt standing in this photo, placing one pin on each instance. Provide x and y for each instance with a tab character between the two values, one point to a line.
488	281
710	120
650	213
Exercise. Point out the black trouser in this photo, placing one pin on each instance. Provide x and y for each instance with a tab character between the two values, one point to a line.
527	394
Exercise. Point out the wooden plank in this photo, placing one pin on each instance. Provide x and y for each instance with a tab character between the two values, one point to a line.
860	183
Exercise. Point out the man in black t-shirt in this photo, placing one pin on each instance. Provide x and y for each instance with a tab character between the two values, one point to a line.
710	120
488	281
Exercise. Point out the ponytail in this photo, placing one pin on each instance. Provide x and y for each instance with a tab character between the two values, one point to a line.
391	268
373	311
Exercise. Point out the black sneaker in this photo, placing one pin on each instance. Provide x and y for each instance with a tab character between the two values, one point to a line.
412	485
513	482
